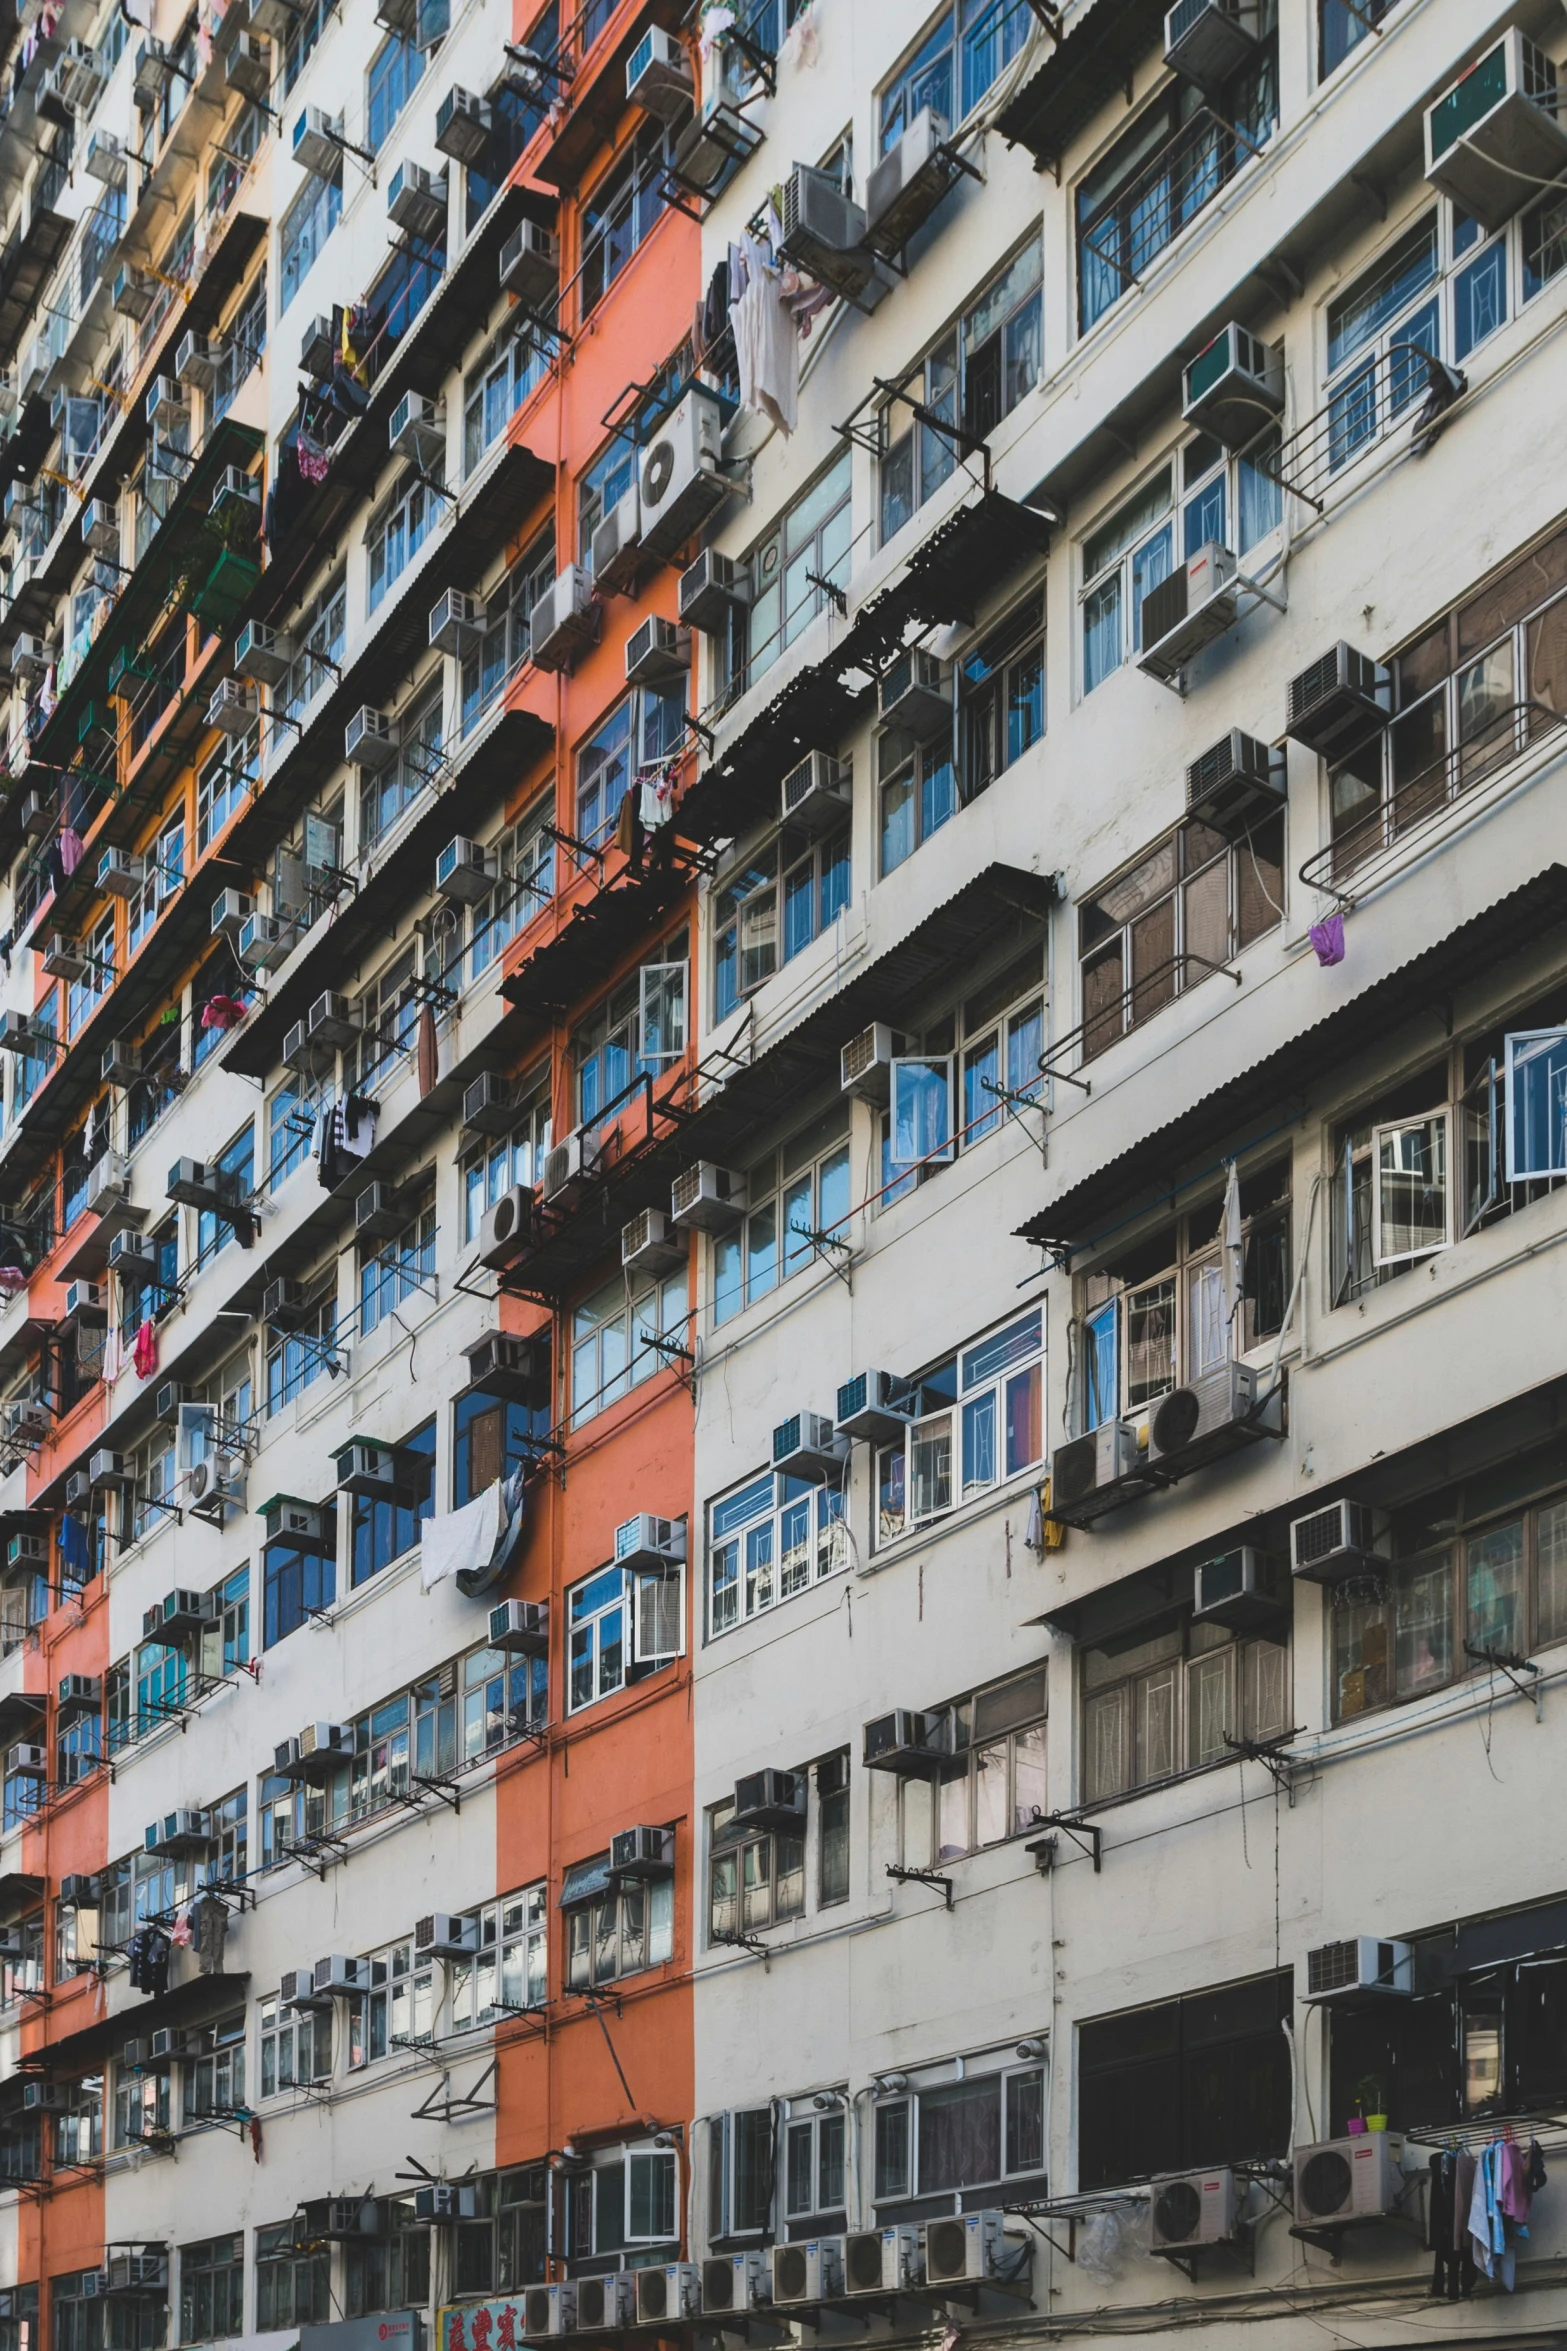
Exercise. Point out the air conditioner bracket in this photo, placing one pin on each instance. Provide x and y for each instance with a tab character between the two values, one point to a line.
447	1791
1504	1662
1085	1835
1328	2236
1282	1769
922	1877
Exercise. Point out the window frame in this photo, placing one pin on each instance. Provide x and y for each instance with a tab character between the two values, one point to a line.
906	1465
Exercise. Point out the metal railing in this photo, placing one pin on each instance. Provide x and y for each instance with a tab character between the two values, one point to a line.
1134	226
1485	756
1138	1001
1405	383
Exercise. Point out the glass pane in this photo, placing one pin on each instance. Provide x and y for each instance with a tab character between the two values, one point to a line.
1210	1335
1028	1778
952	1819
1024	1418
930	1452
921	1112
979	1443
1411	1190
1155	1725
1208	1687
1496	1591
1423	1627
1105	1743
1150	1342
991	1819
1550	1540
1537	1104
1360	1657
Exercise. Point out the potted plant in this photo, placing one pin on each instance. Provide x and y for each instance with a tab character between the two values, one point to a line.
1371	2114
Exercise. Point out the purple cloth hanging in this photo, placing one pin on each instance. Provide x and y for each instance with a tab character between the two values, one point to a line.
1328	939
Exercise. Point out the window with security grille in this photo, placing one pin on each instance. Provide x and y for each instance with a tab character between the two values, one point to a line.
1196	2081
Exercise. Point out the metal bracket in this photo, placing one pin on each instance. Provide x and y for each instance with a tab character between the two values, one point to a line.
751	1943
1281	1768
922	1877
447	1790
1503	1661
1083	1833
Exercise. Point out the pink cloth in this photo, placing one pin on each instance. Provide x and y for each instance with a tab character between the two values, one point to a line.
1515	2198
222	1012
144	1355
71	847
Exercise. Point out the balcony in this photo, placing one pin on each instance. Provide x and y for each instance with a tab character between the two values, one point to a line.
585	933
589	74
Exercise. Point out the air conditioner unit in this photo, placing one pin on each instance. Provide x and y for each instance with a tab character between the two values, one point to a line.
970	2245
566	1171
641	1853
738	2282
707	1199
262	653
297	1988
43	2098
824	234
78	77
417	431
521	1627
121	1063
447	1936
464	872
1246	1589
464	126
564	621
344	2217
548	2311
101	526
456	623
27	1763
876	1404
153	71
301	1051
606	2303
644	1541
489	1104
647	1244
106	159
29	657
771	1800
1195	2208
34	813
182	1833
317	144
819	793
1358	1969
720	135
78	1490
1196	605
530	266
108	1469
174	1397
883	2261
249	68
810	2271
332	1021
1328	1545
1208	41
1494	136
121	874
236	489
1233	386
508	1229
283	1305
711	589
370	739
500	1364
806	1445
378	1213
416	200
904	189
79	1891
1217	1414
26	1551
199	1183
681	480
322	342
371	1470
911	1744
135	1259
24	1032
1089	1475
658	76
231	910
168	410
182	1614
1236	785
86	1307
338	1974
78	1693
263	943
319	1749
865	1064
1349	2179
670	2294
1339	703
447	2200
617	550
133	291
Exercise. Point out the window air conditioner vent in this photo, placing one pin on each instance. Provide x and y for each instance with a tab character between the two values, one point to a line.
657	653
824	234
819	793
644	1541
456	622
1339	703
1233	386
1497	133
489	1105
876	1404
771	1800
1246	1589
658	77
706	1198
1195	606
648	1245
1206	41
710	590
521	1628
865	1064
464	125
1359	1969
564	621
530	267
806	1445
909	1743
1328	1545
642	1853
905	188
1237	784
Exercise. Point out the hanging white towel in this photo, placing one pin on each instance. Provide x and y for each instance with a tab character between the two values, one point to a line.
767	349
462	1539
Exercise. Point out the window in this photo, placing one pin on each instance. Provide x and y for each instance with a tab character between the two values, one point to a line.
769	1541
645	732
1156	1316
78	2132
142	2109
975	376
615	1931
495	388
1229	499
236	1161
397	1270
291	1129
613	1340
152	1504
740	2159
621	1624
917	792
1172	1696
759	924
506	644
295	1581
625	2199
291	2287
307	224
495	1166
1172	162
491	1439
395	540
949	1086
395	73
813	2149
225	784
161	1081
83	994
212	2289
997	1787
389	1022
1470	694
227	1645
509	1971
1197	2081
1001	699
398	2012
297	1358
754	1878
525	859
392	2273
79	2323
601	488
234	151
380	1532
955	64
832	1829
296	2045
1171	921
793	568
954	2136
1343	25
975	1423
616	1044
244	347
321	641
164	858
622	211
798	1206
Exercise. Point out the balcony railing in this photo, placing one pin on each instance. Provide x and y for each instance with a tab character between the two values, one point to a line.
1144	995
1119	243
1495	754
1404	384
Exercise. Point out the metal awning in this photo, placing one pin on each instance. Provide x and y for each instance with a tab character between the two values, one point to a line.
204	1997
1087	65
1152	1169
20	1891
595	99
591	937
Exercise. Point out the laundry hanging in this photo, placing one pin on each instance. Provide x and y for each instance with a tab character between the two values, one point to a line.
144	1355
767	348
461	1540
